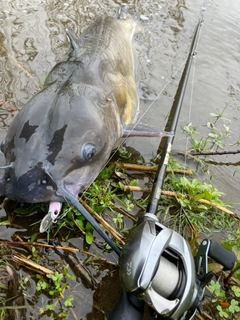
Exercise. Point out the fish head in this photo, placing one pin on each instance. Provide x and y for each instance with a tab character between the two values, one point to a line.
64	146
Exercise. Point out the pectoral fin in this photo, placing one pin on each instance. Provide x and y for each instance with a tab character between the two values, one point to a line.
144	130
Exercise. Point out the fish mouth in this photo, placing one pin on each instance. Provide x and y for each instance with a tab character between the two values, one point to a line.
75	188
74	185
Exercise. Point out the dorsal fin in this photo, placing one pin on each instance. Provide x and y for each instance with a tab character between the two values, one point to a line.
72	37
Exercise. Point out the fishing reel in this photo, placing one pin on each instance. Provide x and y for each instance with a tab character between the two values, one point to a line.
157	267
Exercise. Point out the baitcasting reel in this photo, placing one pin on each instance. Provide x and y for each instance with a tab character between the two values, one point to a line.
157	266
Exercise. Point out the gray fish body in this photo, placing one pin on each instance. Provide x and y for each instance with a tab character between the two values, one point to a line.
86	100
64	135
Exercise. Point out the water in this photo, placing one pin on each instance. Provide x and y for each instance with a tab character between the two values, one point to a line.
33	39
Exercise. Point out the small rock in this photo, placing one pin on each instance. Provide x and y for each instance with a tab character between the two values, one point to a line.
143	18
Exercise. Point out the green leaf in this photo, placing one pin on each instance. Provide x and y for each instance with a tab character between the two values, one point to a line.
215	288
236	291
50	306
197	197
106	173
68	301
89	237
70	276
214	114
80	223
202	207
89	233
3	223
221	312
33	237
51	292
134	182
70	216
234	307
121	185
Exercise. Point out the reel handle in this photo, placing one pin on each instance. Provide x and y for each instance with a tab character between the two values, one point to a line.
128	307
221	255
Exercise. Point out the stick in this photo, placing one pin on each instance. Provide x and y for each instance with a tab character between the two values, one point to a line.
218	207
136	189
19	258
174	194
36	244
216	163
106	225
138	167
214	153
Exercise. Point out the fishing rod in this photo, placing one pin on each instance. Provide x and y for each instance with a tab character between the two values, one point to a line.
171	126
156	265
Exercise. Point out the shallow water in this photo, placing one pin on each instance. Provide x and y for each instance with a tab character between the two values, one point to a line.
33	39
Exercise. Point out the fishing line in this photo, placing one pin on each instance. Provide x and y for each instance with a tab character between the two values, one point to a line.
201	16
187	138
202	11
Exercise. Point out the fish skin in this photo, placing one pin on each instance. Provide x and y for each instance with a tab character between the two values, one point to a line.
64	135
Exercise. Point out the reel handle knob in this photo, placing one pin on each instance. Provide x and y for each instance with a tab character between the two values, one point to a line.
129	307
221	255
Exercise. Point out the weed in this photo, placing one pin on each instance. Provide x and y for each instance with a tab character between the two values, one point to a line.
54	285
119	221
218	131
195	202
23	281
226	302
198	145
2	314
125	154
89	233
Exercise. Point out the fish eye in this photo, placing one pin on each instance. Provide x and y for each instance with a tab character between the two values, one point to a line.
44	181
88	151
2	146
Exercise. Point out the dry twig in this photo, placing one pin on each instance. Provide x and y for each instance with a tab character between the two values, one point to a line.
70	249
174	194
142	168
106	225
